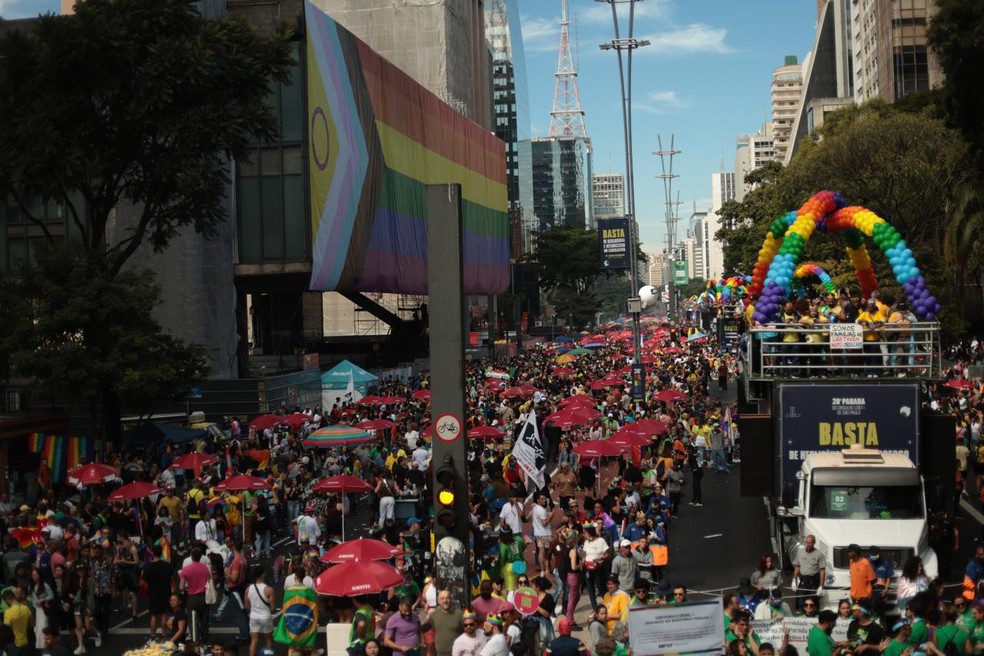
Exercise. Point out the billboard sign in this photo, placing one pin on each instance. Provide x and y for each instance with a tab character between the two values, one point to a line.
833	417
613	243
680	275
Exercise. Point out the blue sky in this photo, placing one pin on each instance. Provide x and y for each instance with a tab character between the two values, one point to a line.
10	9
704	79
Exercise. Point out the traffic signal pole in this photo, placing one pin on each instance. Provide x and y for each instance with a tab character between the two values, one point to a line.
445	287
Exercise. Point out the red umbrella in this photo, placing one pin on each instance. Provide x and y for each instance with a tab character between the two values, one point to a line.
627	437
598	448
194	461
343	483
392	400
242	482
670	396
296	420
673	350
514	393
422	395
568	418
578	401
562	371
264	422
372	399
356	578
376	424
132	491
959	384
650	427
94	474
485	433
363	549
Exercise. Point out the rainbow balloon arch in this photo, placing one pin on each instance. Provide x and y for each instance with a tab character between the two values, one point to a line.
810	269
723	291
827	211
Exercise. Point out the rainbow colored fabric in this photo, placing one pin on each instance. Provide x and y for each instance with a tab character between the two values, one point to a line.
377	138
810	269
61	453
334	436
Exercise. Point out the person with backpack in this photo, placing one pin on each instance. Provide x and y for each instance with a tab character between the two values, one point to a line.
951	638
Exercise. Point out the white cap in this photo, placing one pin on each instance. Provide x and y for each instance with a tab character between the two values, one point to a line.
625	543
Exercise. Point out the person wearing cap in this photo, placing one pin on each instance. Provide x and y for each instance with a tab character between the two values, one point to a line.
625	567
864	633
748	597
818	640
565	644
899	643
773	607
471	642
862	574
617	602
496	644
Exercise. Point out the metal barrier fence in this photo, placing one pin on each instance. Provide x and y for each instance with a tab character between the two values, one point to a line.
786	351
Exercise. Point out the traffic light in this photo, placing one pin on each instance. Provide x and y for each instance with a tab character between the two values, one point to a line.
444	494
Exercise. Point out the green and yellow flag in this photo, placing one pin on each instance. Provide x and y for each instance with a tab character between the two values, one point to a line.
298	625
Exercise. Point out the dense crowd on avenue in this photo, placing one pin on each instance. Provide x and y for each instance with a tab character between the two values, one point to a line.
197	542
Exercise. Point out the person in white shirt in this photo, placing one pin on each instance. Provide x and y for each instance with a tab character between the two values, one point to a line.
308	531
206	529
542	532
412	436
298	578
471	642
421	457
497	644
513	513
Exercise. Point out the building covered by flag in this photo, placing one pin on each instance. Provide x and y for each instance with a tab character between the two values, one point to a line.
345	381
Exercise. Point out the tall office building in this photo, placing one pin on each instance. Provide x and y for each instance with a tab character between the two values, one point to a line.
787	83
608	195
697	259
892	57
510	94
752	151
722	189
554	186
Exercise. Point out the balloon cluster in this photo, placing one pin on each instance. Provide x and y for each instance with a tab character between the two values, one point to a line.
775	271
724	290
810	269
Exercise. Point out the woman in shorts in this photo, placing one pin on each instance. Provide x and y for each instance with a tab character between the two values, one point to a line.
259	606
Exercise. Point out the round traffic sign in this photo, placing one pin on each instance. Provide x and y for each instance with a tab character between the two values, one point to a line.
448	427
526	601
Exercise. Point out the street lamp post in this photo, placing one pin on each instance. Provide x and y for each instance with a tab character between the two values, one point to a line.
628	44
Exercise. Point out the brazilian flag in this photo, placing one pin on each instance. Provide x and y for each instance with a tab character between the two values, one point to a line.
298	626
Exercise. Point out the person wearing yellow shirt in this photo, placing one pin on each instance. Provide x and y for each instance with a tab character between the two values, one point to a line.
873	320
617	602
19	618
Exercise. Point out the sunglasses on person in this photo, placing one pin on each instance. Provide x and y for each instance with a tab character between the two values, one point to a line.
809	605
468	624
526	581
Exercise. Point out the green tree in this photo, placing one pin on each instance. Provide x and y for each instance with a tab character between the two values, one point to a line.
568	264
126	114
956	35
79	332
137	102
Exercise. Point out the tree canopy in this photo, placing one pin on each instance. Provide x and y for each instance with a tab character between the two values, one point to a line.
136	105
132	101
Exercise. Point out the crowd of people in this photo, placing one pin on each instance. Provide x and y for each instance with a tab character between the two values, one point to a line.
599	528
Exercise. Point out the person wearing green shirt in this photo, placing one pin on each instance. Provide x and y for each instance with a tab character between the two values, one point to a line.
818	640
900	643
965	614
741	629
915	610
363	623
642	596
951	632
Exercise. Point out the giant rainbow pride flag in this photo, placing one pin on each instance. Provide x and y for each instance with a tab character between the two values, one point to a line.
376	139
62	453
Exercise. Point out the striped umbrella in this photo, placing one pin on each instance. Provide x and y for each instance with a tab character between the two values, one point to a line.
93	474
333	436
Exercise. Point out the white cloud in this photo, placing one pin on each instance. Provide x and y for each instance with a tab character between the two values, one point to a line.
660	102
692	38
540	34
601	13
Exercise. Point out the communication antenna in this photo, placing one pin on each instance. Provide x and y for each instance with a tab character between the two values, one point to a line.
666	164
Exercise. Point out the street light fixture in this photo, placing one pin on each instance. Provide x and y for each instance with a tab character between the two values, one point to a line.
628	44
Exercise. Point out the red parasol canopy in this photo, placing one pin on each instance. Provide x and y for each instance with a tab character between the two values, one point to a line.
598	448
343	483
628	437
579	400
242	482
376	424
264	422
650	427
670	396
362	549
959	384
562	371
296	420
194	461
485	433
93	474
357	578
422	395
132	491
515	392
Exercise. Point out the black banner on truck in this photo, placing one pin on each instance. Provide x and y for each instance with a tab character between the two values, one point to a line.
833	417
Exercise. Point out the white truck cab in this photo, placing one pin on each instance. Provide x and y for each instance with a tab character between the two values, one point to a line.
861	496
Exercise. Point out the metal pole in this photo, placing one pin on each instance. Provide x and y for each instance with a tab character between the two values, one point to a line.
629	44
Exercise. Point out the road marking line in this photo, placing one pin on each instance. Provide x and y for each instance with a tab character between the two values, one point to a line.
965	504
127	621
714	535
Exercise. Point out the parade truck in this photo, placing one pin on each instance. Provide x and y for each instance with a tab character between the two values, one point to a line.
855	459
